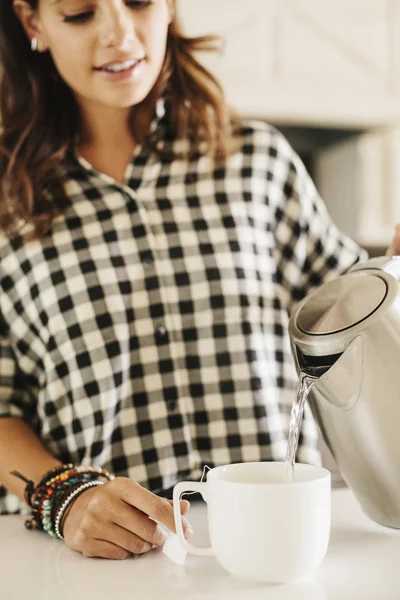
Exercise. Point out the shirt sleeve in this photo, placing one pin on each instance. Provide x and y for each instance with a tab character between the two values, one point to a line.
16	397
309	248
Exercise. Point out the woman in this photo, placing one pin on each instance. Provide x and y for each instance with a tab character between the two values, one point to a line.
152	248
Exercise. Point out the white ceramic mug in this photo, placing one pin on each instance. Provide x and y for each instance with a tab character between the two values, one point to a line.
262	526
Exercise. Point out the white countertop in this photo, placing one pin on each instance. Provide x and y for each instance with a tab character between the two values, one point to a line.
363	563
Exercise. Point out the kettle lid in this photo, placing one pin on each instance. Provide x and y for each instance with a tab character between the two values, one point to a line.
342	303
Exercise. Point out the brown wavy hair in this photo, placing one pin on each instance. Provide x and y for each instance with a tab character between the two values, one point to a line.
40	118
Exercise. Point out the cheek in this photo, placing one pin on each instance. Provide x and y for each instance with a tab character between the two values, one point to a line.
157	40
70	57
69	48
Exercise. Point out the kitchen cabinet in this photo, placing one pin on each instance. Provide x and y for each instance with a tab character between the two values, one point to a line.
305	61
321	64
359	180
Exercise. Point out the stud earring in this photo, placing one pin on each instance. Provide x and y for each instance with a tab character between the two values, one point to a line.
36	45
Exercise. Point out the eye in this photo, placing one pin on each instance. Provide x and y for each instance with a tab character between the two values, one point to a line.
139	3
78	18
85	16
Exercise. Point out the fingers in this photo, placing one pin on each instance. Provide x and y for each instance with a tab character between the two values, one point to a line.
130	542
185	506
396	242
394	249
155	507
137	523
102	549
117	524
120	518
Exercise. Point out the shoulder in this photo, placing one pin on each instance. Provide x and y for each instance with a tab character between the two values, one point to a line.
8	246
265	154
255	137
16	252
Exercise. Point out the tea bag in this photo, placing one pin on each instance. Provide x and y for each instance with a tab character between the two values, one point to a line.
174	549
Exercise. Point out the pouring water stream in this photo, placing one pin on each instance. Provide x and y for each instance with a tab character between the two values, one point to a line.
305	384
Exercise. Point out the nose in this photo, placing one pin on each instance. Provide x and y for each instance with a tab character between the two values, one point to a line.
118	30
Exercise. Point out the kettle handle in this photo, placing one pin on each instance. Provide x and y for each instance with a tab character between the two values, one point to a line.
389	264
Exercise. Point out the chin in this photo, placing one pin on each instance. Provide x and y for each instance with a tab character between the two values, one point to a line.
127	99
124	105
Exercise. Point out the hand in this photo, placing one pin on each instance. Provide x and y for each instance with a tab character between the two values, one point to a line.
115	520
394	248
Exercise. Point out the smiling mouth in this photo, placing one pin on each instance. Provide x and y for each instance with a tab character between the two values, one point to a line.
120	67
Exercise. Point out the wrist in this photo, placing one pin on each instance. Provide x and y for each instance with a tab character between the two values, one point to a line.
55	491
67	503
77	506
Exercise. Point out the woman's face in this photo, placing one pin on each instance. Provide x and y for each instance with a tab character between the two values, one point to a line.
109	52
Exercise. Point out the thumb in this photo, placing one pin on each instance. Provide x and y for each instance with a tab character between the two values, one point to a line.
394	248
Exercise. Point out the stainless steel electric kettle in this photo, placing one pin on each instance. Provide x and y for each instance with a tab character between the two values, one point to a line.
346	334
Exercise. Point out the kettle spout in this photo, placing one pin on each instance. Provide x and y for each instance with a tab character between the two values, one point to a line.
340	383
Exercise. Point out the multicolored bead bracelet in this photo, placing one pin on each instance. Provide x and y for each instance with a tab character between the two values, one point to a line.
68	500
56	490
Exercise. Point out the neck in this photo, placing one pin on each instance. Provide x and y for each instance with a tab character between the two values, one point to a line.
106	128
106	141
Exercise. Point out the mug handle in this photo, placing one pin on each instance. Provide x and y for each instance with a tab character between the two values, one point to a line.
179	489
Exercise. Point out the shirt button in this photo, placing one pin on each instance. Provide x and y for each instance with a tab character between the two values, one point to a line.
161	331
172	404
148	260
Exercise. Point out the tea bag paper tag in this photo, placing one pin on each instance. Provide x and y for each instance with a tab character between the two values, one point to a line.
174	549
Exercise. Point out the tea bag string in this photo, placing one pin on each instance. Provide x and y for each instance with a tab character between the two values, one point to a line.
201	481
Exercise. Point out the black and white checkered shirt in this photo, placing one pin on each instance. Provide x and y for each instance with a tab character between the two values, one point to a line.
147	331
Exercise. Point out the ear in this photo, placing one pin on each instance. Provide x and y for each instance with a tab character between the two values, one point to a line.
29	20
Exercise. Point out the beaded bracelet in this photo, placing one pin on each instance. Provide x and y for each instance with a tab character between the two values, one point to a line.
48	491
46	495
31	486
68	500
53	489
51	503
